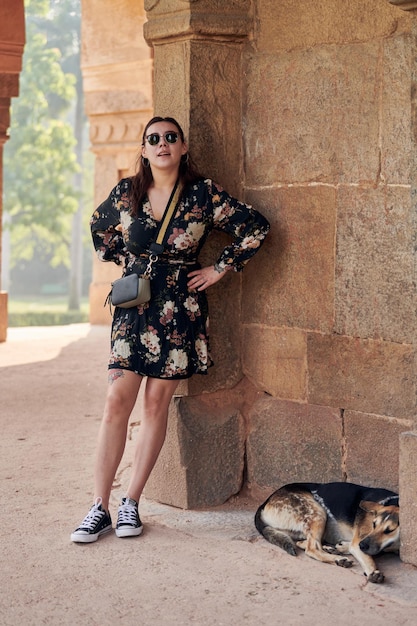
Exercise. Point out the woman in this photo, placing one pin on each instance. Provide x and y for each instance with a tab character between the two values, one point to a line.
165	339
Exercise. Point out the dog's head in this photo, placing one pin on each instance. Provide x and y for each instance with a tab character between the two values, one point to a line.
383	528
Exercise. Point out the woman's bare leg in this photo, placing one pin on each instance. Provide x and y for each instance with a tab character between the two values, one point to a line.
151	432
121	396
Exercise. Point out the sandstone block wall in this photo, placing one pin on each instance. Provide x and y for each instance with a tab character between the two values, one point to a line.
408	494
306	110
327	149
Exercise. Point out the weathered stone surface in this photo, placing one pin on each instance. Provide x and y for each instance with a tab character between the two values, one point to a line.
110	20
212	19
285	24
275	360
396	148
375	290
169	73
372	449
408	497
291	281
201	463
364	375
168	481
306	132
293	442
213	122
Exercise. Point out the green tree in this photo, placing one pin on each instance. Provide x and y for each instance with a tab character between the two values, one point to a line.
43	158
64	31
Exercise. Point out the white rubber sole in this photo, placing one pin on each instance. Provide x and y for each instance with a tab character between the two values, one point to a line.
129	532
86	538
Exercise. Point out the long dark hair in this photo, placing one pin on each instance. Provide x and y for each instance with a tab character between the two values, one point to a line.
143	178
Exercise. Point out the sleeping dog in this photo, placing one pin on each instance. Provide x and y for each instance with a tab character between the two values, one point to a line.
347	518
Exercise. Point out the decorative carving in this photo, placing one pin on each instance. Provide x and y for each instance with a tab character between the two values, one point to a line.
214	20
406	5
220	27
114	130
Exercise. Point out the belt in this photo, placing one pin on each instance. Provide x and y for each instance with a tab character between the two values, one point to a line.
167	261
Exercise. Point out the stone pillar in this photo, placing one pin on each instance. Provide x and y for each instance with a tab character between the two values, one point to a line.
12	41
408	497
408	441
198	80
117	75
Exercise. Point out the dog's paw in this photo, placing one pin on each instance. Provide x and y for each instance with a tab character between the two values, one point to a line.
344	562
376	577
342	547
331	550
289	548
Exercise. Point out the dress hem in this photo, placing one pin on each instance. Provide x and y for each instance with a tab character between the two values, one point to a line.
179	377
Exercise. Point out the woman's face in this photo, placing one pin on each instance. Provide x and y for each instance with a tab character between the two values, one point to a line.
161	148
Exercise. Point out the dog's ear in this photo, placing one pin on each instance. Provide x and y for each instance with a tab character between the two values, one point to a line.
369	507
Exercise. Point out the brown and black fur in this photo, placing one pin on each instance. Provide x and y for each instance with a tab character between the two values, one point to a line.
332	520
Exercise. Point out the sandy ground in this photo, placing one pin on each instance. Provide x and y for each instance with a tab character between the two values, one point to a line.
189	567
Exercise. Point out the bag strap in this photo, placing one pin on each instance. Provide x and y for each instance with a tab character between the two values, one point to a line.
168	214
156	248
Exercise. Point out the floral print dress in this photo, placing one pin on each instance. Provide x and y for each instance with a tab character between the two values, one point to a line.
168	337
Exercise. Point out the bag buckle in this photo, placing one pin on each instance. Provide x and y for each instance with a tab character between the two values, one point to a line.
148	271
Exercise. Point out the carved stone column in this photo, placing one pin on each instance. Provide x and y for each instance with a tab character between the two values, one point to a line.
12	41
198	80
117	75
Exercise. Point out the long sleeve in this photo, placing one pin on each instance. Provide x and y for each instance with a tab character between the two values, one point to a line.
107	241
247	227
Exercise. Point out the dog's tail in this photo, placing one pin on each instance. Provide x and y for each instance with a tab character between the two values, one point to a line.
277	537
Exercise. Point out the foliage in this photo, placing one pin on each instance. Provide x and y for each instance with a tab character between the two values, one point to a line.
39	158
46	311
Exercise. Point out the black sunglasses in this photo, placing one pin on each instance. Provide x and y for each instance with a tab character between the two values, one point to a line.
170	137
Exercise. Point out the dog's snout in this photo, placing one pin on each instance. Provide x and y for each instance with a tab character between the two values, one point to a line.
364	544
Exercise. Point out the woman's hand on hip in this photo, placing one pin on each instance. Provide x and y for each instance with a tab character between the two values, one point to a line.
203	278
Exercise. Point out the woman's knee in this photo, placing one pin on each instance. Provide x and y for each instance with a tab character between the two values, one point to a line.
158	395
121	397
118	406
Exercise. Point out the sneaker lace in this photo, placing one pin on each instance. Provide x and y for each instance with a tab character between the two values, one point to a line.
127	514
93	516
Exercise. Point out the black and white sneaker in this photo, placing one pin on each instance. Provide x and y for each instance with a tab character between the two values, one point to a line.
96	523
128	520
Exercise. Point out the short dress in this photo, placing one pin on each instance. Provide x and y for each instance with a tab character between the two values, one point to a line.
168	337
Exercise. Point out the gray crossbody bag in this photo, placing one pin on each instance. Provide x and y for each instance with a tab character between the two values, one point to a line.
132	290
